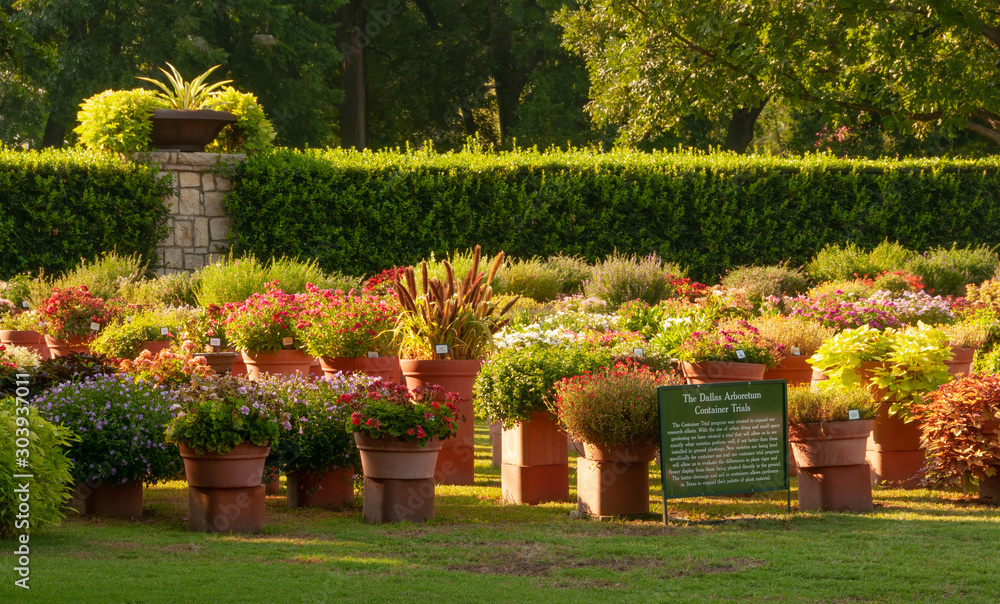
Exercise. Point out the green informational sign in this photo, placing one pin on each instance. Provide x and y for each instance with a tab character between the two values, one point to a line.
723	438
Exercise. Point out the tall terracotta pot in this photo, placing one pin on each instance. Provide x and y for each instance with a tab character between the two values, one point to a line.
27	339
831	466
534	461
284	362
456	463
715	372
109	500
61	348
894	452
385	368
614	481
399	478
961	361
793	369
225	493
331	489
221	362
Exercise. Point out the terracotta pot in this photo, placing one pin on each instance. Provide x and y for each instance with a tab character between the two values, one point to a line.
155	346
989	486
283	362
273	484
835	488
399	479
456	462
635	452
961	361
239	368
867	374
187	130
793	369
817	377
829	443
332	489
534	461
61	348
715	372
496	443
386	368
110	500
221	362
243	466
27	339
894	451
614	488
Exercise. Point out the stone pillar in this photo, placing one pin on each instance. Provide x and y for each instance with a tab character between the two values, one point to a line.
198	224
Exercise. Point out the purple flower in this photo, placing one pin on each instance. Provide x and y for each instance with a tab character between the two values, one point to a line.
245	410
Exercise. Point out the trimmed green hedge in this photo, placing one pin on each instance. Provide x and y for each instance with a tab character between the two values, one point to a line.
363	212
57	207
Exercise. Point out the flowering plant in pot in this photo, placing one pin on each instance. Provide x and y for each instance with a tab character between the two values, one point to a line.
383	410
615	413
121	423
317	454
124	339
72	313
266	328
798	338
166	368
961	433
732	351
345	330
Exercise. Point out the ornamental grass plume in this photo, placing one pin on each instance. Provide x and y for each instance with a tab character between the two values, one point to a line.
612	406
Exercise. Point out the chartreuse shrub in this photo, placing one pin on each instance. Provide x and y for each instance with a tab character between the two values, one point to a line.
757	283
363	212
118	120
59	206
946	271
532	278
104	276
51	482
231	279
835	262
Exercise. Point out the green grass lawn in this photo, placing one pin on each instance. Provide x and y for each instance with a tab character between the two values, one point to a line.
916	546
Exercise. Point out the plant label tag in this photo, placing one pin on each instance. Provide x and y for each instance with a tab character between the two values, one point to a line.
372	354
796	351
287	341
95	326
164	331
637	352
853	414
215	341
741	355
24	304
441	349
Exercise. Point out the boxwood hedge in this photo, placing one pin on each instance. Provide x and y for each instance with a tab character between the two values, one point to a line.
363	212
57	207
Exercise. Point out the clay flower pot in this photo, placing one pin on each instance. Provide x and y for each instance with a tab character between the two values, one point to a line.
331	489
61	348
225	493
534	459
109	500
285	362
385	368
220	362
715	372
830	460
456	463
793	369
399	478
155	346
614	481
961	361
187	130
27	339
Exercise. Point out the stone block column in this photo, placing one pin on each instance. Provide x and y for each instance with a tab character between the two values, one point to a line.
198	224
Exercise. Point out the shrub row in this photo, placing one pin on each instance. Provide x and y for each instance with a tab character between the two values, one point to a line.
362	212
57	207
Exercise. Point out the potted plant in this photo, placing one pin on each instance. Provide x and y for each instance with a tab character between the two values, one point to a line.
898	366
350	332
204	335
399	433
514	387
731	352
189	121
22	330
71	318
265	328
444	331
965	338
614	412
960	430
317	454
166	368
225	428
120	423
828	431
798	338
152	329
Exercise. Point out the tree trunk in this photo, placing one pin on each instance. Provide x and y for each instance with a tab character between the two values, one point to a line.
55	133
741	126
352	41
508	82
